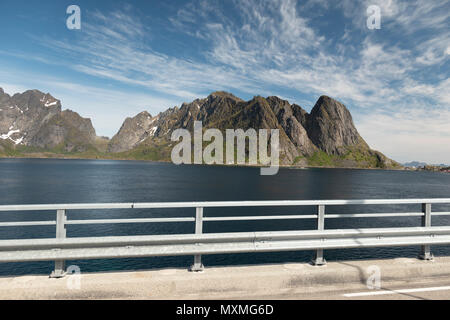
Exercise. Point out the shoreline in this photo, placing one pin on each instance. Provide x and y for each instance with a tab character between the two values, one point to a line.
283	166
63	157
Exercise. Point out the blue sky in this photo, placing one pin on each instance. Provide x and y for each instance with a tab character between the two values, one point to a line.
151	55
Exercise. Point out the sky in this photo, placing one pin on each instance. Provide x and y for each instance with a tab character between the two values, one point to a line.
151	55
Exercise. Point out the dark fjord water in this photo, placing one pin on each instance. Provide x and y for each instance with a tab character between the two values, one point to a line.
84	181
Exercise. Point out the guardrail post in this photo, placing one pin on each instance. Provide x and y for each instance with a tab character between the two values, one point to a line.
425	253
61	219
198	266
319	259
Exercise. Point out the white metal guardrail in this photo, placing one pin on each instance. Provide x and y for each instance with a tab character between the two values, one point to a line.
61	248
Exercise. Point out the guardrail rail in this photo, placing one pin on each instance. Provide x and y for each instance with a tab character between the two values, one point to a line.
62	248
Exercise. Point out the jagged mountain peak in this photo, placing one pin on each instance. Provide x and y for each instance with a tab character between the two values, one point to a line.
330	127
223	94
327	108
277	99
214	97
133	131
326	101
35	119
144	114
278	104
197	104
35	98
327	133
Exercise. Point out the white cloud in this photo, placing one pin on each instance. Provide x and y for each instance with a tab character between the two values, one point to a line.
107	108
11	88
275	46
414	134
271	45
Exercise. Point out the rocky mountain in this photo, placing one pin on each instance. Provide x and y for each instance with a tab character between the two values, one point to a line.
325	137
33	122
133	131
330	127
415	164
34	119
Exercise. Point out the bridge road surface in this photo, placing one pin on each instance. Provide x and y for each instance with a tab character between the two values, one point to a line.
402	278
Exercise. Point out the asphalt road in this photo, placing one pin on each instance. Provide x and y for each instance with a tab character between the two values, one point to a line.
428	289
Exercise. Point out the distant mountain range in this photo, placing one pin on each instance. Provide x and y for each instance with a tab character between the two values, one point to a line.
33	124
422	164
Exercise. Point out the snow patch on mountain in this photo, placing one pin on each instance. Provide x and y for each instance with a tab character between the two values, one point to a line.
153	131
9	134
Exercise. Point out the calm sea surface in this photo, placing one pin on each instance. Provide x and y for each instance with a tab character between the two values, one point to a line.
49	181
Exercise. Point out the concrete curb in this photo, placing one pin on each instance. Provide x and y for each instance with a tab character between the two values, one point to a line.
227	282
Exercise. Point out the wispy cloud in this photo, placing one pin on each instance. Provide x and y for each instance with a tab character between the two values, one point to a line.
271	44
108	49
417	132
106	107
287	48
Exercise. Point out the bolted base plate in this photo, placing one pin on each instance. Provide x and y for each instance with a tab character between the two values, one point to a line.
57	274
196	268
426	256
318	262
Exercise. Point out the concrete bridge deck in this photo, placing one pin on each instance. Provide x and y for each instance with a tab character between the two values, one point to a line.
401	278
